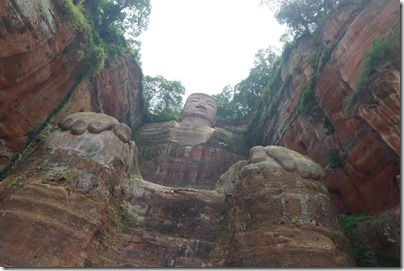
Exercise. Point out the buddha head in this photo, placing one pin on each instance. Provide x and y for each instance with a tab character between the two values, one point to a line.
199	109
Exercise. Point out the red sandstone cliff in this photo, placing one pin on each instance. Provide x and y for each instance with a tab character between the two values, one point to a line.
174	226
76	202
40	63
367	143
39	66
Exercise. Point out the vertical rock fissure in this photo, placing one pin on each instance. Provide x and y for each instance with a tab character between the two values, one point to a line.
55	111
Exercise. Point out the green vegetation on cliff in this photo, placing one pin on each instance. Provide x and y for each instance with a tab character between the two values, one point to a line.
163	98
305	17
384	54
260	96
351	221
237	103
106	30
363	257
111	28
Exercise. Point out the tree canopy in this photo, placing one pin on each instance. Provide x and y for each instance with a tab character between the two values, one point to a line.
163	98
237	103
304	16
124	15
111	26
112	17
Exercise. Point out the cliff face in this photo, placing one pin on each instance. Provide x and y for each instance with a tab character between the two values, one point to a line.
361	153
116	91
78	201
280	216
41	63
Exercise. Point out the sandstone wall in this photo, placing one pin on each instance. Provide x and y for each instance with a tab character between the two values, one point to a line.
377	241
40	62
78	201
116	91
279	216
59	203
35	74
360	153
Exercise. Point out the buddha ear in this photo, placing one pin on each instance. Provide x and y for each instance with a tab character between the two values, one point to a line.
181	114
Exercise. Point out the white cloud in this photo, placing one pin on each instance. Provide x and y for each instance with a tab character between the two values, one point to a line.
206	44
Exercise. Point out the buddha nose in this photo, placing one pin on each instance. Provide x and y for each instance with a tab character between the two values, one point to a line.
201	104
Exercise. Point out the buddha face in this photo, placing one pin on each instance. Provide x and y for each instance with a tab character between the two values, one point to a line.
201	106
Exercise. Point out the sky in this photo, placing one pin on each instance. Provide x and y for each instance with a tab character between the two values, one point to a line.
206	44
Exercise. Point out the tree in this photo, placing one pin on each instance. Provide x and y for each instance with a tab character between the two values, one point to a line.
237	103
301	16
225	106
163	98
248	90
111	27
115	18
125	15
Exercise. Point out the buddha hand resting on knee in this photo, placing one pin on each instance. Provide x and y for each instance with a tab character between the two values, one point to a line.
95	123
289	160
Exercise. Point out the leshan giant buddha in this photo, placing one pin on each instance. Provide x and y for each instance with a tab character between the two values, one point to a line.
76	202
191	152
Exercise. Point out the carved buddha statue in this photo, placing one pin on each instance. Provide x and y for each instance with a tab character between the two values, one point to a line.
191	152
63	205
199	110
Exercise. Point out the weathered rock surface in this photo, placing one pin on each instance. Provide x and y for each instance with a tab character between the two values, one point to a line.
41	61
377	241
175	154
372	153
280	215
168	226
381	112
361	152
117	91
35	75
78	201
60	203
